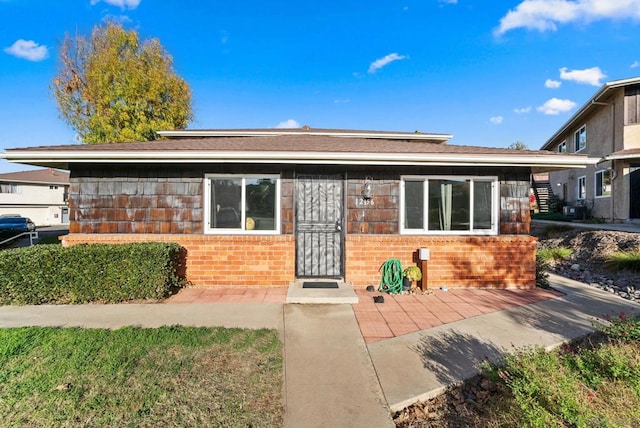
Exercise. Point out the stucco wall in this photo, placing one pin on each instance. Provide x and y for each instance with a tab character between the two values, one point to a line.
605	134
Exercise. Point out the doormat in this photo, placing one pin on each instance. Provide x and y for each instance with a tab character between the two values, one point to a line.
309	284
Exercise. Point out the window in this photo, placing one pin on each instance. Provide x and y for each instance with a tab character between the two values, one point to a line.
582	187
603	183
9	188
53	187
449	205
242	204
580	139
562	147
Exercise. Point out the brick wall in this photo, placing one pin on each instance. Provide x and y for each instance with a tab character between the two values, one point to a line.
220	261
457	261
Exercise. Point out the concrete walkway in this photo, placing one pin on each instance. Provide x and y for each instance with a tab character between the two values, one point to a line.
421	365
332	378
330	381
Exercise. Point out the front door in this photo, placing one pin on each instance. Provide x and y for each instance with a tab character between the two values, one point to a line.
634	198
319	237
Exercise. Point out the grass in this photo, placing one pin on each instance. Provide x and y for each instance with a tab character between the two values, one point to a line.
548	255
624	260
595	382
170	376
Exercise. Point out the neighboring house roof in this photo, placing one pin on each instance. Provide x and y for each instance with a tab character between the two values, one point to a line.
624	154
594	102
47	176
294	149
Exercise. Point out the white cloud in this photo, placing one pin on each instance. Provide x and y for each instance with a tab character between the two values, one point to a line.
635	64
555	106
291	123
544	15
523	110
553	84
384	61
448	1
28	49
496	120
343	101
122	4
588	76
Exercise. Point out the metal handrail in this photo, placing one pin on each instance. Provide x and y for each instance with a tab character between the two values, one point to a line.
32	236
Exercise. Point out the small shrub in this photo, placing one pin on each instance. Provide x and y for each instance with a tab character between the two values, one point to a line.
550	216
542	275
624	260
88	273
49	240
413	273
554	254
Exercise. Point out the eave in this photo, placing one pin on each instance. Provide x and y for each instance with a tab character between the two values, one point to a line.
62	159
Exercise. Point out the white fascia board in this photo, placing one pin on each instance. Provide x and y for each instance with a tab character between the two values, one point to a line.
275	133
622	157
440	159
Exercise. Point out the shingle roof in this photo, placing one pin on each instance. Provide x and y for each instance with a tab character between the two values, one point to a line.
293	149
41	176
283	143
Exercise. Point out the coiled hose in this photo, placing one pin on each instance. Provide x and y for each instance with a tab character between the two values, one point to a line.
391	281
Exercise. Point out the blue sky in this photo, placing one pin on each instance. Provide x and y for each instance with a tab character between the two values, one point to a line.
488	72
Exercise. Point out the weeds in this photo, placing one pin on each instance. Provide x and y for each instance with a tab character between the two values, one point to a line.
624	260
554	254
590	383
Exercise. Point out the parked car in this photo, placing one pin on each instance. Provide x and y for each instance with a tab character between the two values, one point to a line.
11	224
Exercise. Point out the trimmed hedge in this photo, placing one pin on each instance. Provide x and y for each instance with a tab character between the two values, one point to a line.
88	273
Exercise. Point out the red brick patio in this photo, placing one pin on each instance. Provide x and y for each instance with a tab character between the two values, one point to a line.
398	315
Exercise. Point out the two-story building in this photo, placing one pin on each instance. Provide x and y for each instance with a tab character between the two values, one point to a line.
40	195
606	127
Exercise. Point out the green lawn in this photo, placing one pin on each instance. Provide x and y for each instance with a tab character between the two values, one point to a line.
171	376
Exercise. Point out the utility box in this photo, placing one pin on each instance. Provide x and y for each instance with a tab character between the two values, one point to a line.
576	212
424	254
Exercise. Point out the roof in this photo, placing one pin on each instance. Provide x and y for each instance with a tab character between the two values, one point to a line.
624	154
307	130
594	102
38	176
294	149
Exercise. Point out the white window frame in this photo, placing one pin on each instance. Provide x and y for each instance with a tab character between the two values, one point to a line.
562	147
595	183
495	202
240	231
576	139
582	179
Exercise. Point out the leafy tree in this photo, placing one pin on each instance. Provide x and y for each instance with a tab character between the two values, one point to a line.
518	145
114	88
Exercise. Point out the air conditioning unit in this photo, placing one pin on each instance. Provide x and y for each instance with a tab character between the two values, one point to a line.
573	212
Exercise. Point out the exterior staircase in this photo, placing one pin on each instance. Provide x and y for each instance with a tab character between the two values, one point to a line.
542	190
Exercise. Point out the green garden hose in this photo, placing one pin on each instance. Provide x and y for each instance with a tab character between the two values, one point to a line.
391	281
